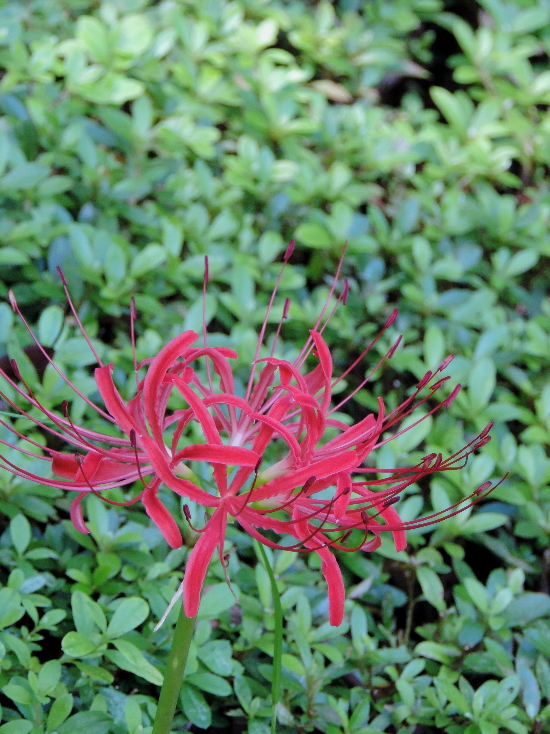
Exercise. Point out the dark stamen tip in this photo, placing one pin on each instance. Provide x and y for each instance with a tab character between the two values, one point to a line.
391	501
452	396
206	270
78	459
289	251
187	513
63	279
15	369
133	441
286	308
11	298
133	312
394	348
65	407
258	465
308	483
345	292
392	318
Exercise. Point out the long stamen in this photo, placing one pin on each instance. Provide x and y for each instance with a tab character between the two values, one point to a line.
286	257
80	462
75	314
133	316
17	310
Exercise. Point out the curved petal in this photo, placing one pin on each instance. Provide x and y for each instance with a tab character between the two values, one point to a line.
155	376
216	454
183	487
201	555
319	469
76	514
111	397
162	518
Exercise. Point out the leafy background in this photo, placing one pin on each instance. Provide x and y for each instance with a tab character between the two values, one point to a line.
136	137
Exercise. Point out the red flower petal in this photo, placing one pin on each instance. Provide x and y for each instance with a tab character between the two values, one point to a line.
201	555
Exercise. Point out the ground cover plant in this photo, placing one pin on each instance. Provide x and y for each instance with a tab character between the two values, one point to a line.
135	139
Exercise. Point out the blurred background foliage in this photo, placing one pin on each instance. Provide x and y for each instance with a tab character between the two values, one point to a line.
137	137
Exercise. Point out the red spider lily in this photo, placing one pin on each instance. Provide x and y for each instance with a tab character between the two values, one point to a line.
317	491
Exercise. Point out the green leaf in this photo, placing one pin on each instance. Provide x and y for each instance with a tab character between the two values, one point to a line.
76	645
24	176
18	694
147	260
432	587
50	324
95	37
195	706
86	721
129	614
88	615
59	711
481	383
95	672
135	35
17	726
13	256
20	531
314	235
483	521
216	600
10	607
436	651
526	608
216	655
210	683
130	658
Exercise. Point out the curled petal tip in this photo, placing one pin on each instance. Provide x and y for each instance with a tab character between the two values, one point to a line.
289	251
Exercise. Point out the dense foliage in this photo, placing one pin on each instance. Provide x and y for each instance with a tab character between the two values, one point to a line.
136	137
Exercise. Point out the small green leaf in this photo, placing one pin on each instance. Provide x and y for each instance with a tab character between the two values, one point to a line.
20	531
314	235
17	726
432	587
24	176
216	600
129	614
86	721
59	711
76	645
129	657
147	260
195	706
210	683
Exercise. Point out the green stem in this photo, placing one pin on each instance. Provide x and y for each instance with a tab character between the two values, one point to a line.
278	646
173	677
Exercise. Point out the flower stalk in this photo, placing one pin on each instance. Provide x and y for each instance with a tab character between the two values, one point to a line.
173	677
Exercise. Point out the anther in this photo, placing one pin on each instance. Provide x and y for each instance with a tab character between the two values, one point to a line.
289	251
15	369
452	396
63	279
345	292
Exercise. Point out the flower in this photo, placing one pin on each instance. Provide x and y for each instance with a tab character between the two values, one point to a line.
265	458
